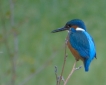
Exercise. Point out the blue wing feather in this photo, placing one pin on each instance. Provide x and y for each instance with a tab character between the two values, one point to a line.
94	49
80	43
84	44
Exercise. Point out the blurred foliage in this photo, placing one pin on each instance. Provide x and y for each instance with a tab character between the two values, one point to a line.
34	21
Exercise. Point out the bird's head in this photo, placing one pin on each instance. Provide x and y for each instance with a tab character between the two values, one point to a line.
75	23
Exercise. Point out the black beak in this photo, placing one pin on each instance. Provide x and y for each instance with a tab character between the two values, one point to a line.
59	30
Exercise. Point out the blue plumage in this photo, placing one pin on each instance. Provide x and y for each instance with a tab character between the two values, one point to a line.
83	43
76	22
80	43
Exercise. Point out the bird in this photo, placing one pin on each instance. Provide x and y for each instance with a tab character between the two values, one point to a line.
79	41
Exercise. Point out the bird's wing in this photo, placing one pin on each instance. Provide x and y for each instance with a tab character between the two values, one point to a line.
82	42
95	49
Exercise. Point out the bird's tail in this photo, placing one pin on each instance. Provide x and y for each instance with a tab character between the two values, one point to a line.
87	64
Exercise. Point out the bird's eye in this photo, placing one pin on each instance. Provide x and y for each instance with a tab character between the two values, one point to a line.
68	26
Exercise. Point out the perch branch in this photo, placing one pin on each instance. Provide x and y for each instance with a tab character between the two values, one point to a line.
72	71
57	78
63	63
5	37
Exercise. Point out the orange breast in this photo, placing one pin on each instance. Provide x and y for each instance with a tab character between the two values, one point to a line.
73	51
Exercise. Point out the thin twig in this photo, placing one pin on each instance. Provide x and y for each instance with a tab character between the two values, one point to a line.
72	71
5	37
57	78
63	63
63	79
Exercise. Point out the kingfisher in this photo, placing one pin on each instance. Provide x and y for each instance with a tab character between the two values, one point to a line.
79	41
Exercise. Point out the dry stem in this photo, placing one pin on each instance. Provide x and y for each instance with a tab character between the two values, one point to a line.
63	63
73	69
58	79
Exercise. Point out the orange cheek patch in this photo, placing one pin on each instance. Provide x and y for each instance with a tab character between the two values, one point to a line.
74	26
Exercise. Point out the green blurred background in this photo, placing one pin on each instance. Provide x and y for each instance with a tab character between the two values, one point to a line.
29	44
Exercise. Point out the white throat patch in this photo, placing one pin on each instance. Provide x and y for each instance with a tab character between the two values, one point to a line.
79	29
